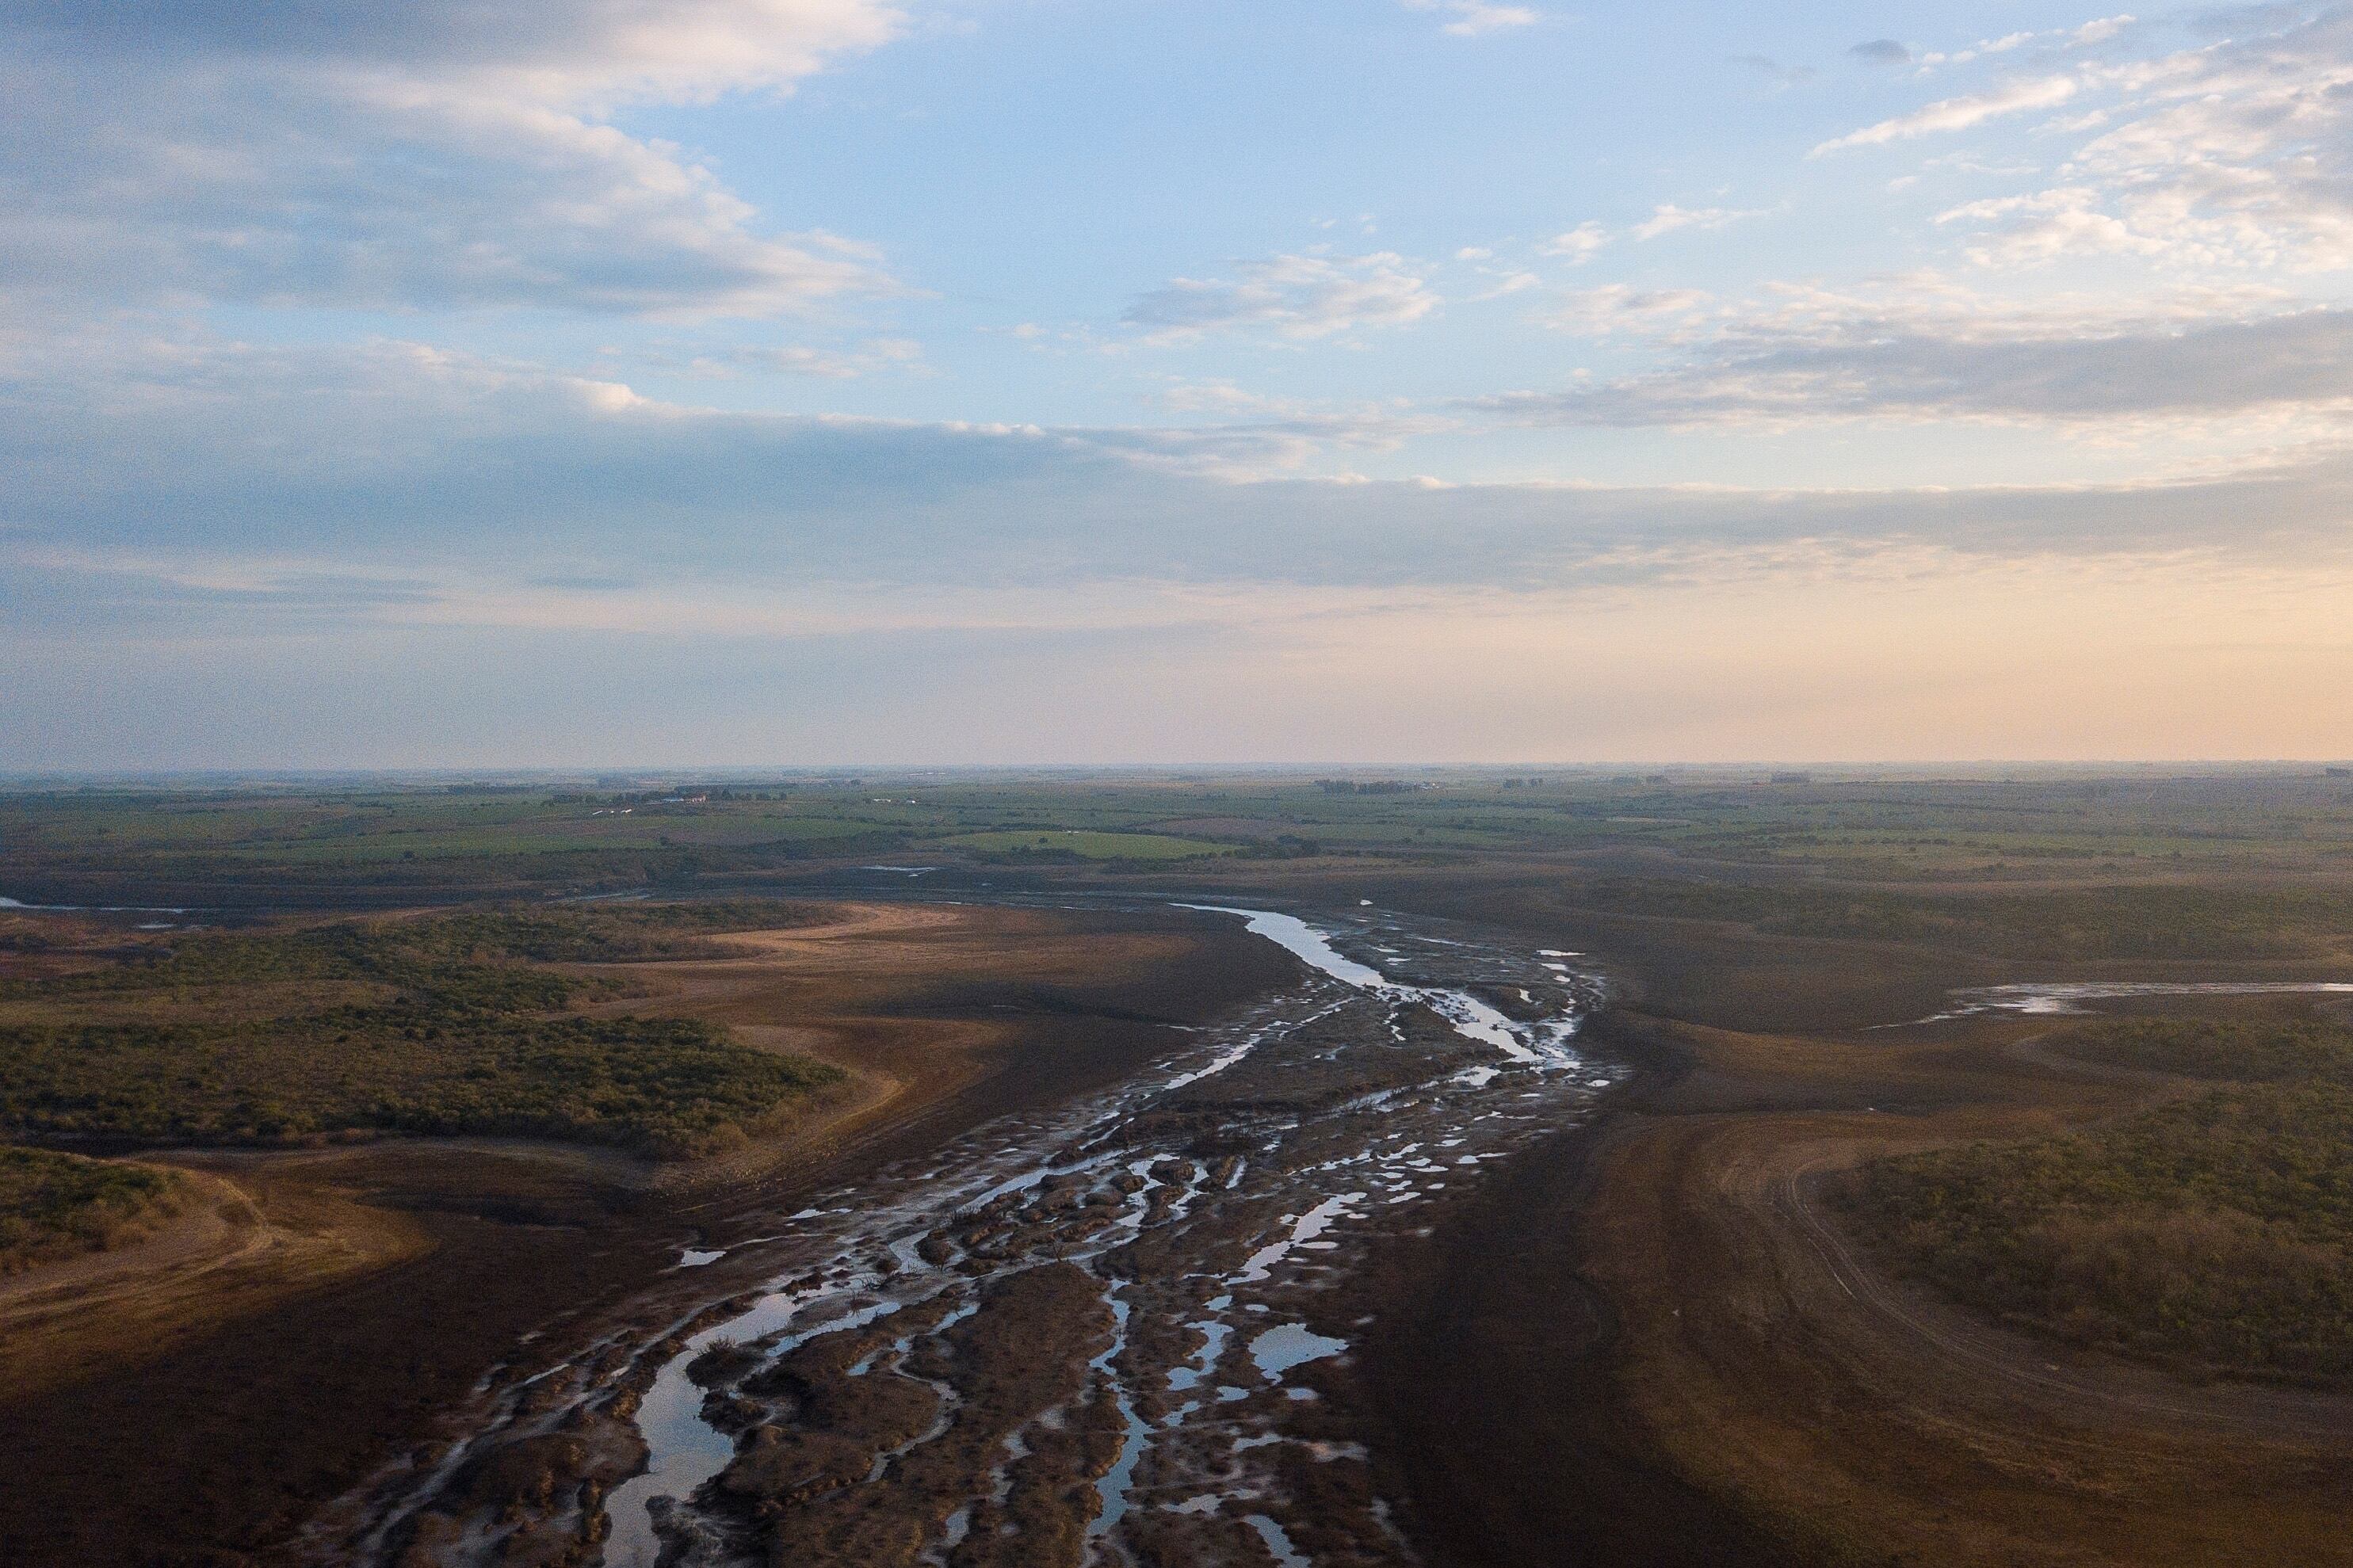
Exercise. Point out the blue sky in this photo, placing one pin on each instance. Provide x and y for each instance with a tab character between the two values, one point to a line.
829	380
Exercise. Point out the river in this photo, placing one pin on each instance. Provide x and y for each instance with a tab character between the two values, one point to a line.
1102	1335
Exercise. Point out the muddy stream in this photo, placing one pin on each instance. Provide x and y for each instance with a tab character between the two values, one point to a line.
1106	1335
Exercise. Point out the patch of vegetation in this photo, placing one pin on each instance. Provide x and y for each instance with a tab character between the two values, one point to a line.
2228	1050
667	1087
445	1025
1069	845
56	1206
2214	1234
2159	922
474	958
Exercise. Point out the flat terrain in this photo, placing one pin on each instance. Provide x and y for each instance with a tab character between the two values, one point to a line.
1666	1331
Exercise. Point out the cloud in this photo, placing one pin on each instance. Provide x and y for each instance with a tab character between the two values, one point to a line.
1933	352
570	52
1781	76
2033	229
1579	244
2054	40
1957	113
1621	308
275	470
1882	52
440	153
2225	155
245	482
1473	17
1295	297
341	556
1667	217
873	357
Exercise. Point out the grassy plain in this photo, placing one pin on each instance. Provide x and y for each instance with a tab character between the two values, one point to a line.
349	838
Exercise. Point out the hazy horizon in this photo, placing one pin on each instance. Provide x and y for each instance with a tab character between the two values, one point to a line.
1001	382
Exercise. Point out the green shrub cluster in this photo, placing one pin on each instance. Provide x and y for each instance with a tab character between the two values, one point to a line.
2084	923
54	1206
472	958
2215	1232
468	1037
2227	1049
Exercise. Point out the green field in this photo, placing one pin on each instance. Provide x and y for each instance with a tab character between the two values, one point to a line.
1082	843
1887	830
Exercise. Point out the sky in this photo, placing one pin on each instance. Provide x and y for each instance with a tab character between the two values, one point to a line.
803	382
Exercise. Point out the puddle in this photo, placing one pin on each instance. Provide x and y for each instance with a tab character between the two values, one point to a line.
1279	1349
2067	998
1277	1542
1309	1226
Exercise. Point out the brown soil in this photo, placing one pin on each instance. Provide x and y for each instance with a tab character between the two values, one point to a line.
256	1367
1649	1345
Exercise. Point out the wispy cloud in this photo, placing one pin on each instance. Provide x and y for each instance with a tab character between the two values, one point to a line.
1926	349
1956	113
2098	31
1773	70
1296	297
1473	17
1667	217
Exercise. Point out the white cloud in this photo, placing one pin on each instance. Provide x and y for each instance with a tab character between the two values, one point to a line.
1667	217
1579	244
2042	227
1298	297
2090	33
1957	113
427	154
1473	17
1617	308
2227	155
